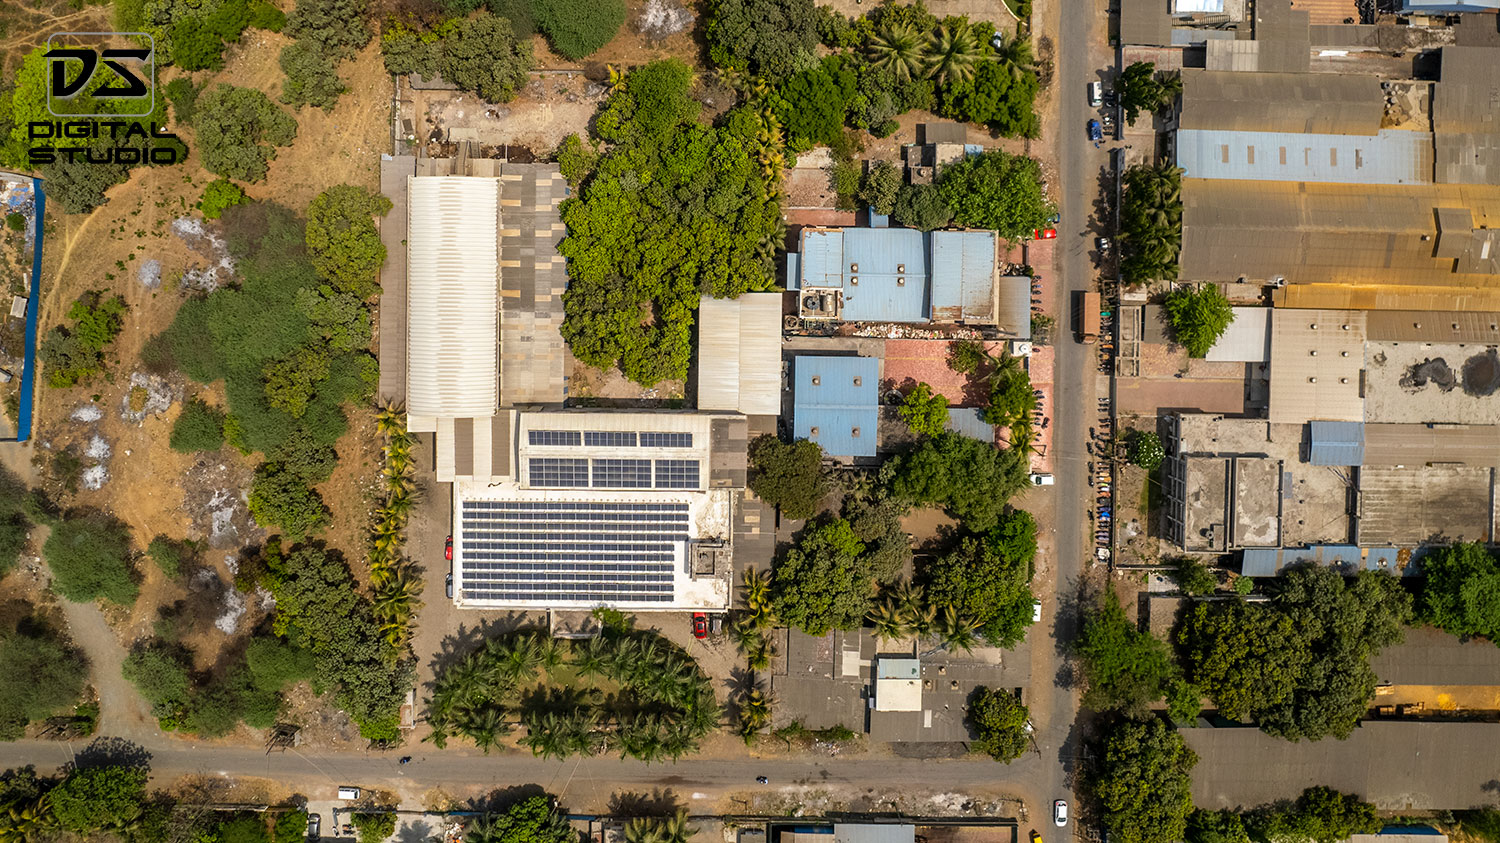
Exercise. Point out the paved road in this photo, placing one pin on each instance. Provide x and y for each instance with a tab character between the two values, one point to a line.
586	784
1074	376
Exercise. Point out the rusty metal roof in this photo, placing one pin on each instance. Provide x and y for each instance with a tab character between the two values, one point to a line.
1344	104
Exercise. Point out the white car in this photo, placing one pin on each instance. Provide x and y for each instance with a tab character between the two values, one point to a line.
1042	480
1060	813
1036	611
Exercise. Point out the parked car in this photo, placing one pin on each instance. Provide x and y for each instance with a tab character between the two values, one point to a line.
314	826
1044	234
1060	813
1103	244
1042	480
1036	836
1096	94
348	792
700	625
1096	131
448	549
448	585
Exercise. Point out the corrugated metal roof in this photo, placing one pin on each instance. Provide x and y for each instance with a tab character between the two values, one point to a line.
1283	36
1145	23
1337	443
839	411
1189	7
1260	562
874	833
1345	104
1389	157
1448	7
394	171
964	267
970	422
452	297
1247	339
793	271
1427	444
739	354
1316	357
883	272
1013	316
533	277
1270	562
1433	326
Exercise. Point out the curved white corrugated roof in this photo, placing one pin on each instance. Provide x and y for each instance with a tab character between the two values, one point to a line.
453	336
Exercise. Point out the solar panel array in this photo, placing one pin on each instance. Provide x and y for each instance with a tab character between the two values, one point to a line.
593	552
612	473
608	439
666	440
553	437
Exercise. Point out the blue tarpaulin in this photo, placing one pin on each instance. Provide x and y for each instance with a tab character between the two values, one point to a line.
33	309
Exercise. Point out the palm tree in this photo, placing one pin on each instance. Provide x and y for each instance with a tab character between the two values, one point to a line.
758	655
956	633
389	419
1013	52
672	829
921	619
898	49
888	620
754	713
757	585
483	725
551	651
26	819
1170	87
952	52
588	659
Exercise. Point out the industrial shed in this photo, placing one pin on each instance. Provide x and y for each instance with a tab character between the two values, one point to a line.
835	403
739	354
1316	360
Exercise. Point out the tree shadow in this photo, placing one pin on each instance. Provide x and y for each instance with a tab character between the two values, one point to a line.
467	639
417	831
112	752
657	803
501	799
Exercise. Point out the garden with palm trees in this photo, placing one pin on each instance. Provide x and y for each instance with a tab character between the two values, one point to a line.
626	690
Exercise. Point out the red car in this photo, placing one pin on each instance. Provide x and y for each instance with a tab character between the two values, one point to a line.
700	625
448	549
1044	234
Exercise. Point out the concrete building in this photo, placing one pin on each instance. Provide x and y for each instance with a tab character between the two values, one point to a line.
908	276
835	403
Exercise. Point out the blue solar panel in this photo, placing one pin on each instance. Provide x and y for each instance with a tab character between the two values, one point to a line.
609	439
666	440
622	474
555	473
676	474
553	437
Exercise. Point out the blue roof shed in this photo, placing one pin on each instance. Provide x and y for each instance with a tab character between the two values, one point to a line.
1337	443
834	403
882	271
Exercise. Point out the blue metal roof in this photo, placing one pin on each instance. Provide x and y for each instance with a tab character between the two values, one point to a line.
831	411
1260	562
882	271
792	269
1337	443
1271	561
963	276
1391	156
1454	7
971	423
879	220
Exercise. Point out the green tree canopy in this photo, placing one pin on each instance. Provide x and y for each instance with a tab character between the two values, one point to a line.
1143	784
790	477
1000	721
996	97
812	104
996	190
922	206
1151	223
1145	449
281	498
924	412
986	579
200	427
95	798
238	130
1198	317
531	820
342	239
73	354
218	195
90	559
823	582
1461	591
1322	815
40	675
1126	670
483	54
336	27
881	184
768	38
970	479
311	77
14	523
1138	89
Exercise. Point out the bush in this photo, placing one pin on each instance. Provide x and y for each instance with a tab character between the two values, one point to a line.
789	477
1145	449
199	427
14	523
881	185
769	38
280	498
311	77
73	355
40	676
94	798
161	676
183	95
218	195
1461	591
15	221
274	663
576	28
374	828
90	559
924	412
238	130
922	207
195	46
1193	577
1198	317
336	27
168	555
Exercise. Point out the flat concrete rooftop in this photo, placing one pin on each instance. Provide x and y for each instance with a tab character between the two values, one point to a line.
1432	382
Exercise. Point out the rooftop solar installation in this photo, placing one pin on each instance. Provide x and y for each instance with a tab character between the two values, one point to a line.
570	551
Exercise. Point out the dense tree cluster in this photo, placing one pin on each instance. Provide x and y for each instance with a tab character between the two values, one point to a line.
924	412
577	28
673	211
769	38
218	195
200	427
342	240
1000	721
483	53
1198	317
1141	88
970	479
247	689
1151	223
289	349
531	820
996	190
1461	591
986	579
1298	665
663	706
91	558
1143	783
1319	814
1128	670
790	477
41	673
824	581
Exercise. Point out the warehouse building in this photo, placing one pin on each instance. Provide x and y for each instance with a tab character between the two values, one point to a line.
739	354
835	403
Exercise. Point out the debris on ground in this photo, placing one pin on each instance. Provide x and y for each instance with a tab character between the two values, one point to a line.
149	274
209	245
148	395
663	18
214	496
94	477
98	448
87	414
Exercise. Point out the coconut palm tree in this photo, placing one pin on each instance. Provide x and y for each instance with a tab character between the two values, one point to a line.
26	819
757	584
758	654
956	633
482	724
754	713
389	419
1170	87
952	52
672	829
1013	52
588	659
921	619
888	620
898	49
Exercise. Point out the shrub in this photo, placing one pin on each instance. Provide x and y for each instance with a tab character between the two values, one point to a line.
336	27
218	195
199	427
73	355
924	412
14	523
40	676
161	676
93	798
576	28
1193	577
90	559
1000	720
342	239
274	663
922	207
881	185
279	498
168	555
374	828
183	95
238	130
1198	317
195	46
311	77
1145	449
15	221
